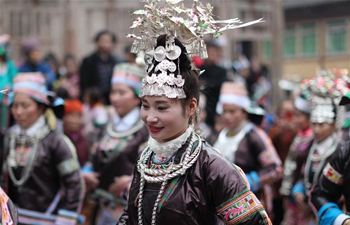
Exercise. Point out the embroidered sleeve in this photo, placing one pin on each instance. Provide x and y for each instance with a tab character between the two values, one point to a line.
239	208
331	174
5	211
69	170
68	166
270	163
330	185
229	192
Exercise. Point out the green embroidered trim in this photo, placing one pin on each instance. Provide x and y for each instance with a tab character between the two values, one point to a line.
167	193
239	208
172	184
266	219
195	144
68	166
71	146
234	197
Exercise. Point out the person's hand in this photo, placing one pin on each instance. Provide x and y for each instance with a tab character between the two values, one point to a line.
91	180
119	185
300	201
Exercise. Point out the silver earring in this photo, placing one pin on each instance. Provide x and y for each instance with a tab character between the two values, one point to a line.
198	115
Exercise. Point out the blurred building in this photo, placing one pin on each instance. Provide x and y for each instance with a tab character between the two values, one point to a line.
68	26
316	34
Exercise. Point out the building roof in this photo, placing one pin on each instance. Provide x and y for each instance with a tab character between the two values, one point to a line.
307	3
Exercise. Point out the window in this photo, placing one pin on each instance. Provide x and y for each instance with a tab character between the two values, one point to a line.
267	49
289	41
309	39
336	37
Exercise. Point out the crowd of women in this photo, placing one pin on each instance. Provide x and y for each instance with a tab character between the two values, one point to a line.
141	149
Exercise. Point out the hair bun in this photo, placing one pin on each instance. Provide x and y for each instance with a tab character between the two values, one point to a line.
185	62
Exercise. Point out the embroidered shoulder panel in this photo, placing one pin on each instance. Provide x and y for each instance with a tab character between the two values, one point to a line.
331	174
268	157
68	166
5	212
239	208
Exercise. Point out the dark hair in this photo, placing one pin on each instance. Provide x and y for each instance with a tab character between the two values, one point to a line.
62	93
51	57
68	57
107	32
127	50
192	83
212	44
94	94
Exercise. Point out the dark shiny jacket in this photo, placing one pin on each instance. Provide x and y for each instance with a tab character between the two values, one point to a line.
293	165
46	179
123	163
212	191
335	179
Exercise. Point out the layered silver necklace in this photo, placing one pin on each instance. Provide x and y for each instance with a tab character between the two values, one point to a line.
163	175
11	161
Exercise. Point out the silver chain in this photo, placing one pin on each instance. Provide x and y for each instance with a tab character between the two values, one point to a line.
41	133
167	174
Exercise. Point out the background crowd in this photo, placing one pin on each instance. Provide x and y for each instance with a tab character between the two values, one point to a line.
264	144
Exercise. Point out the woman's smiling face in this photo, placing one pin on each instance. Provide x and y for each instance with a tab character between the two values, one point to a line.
165	118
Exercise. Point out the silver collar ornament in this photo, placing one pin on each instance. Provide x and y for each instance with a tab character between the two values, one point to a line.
188	25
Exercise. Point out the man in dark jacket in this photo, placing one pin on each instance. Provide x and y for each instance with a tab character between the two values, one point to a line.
96	70
212	78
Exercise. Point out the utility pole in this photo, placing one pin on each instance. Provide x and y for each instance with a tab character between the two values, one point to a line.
276	66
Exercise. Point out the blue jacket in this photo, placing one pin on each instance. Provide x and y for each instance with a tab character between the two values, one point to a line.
42	67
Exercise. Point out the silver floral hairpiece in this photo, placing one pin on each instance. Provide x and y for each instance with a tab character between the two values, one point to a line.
188	25
326	90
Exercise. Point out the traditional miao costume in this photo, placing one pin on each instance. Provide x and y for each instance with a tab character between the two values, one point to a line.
183	181
116	153
8	211
325	93
334	178
41	172
293	166
249	148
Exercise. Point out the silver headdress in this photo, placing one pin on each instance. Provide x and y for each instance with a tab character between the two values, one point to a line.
328	89
188	25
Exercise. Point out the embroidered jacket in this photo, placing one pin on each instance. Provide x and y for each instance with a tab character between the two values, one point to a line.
55	169
315	164
255	154
333	182
8	210
116	154
295	160
212	191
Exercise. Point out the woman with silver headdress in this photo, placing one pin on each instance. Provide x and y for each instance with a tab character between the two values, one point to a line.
333	181
325	90
179	178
